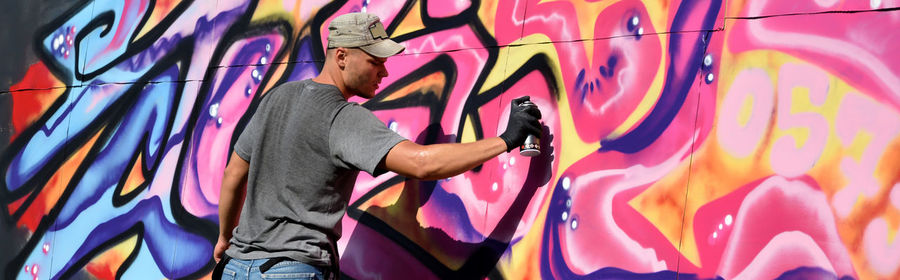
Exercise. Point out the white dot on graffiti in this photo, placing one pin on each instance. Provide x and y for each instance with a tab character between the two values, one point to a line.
27	268
262	60
505	166
574	223
569	202
214	110
61	39
566	183
635	21
728	219
708	60
565	215
512	161
393	126
255	73
219	121
62	51
34	269
249	91
710	77
874	4
494	186
715	235
641	31
720	226
268	47
46	248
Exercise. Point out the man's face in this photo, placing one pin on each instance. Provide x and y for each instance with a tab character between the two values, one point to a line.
363	72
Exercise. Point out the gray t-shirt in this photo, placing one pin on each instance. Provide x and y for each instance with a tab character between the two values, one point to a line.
305	144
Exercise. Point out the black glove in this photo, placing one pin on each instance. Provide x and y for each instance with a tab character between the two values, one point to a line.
523	120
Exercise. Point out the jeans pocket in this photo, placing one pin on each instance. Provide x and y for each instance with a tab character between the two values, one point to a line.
228	274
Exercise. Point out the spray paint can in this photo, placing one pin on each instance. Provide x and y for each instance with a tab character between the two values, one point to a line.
532	145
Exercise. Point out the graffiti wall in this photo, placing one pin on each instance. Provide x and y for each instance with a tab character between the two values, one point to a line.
684	139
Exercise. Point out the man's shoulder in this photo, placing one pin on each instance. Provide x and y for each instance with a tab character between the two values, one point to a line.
354	112
293	89
291	85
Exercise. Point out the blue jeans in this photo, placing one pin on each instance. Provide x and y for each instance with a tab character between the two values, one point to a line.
286	269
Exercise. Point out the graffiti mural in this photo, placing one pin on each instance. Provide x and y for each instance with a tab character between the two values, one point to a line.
683	139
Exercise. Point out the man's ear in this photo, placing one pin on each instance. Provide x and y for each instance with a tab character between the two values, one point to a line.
340	56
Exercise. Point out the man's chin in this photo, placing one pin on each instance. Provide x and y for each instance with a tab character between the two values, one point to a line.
372	93
366	95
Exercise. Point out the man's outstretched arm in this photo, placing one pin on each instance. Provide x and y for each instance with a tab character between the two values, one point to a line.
438	161
231	199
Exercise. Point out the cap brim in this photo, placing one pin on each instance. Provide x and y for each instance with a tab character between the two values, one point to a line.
385	48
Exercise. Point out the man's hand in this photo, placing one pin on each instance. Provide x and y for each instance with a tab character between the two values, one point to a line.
523	120
221	246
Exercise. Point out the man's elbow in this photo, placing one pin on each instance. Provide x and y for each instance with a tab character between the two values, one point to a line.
425	166
425	175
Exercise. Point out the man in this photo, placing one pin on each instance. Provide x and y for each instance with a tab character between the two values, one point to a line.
297	160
